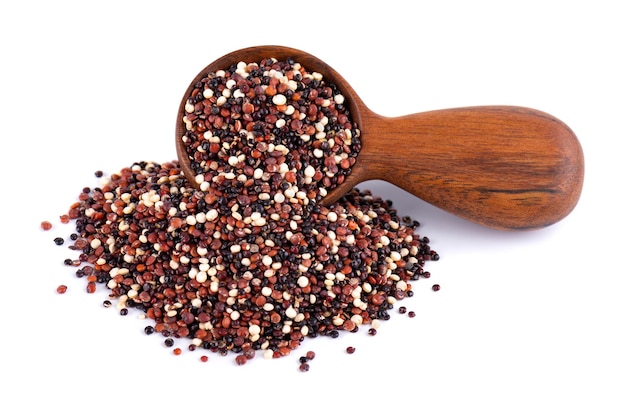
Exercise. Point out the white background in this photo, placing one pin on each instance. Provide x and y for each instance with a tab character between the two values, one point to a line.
96	85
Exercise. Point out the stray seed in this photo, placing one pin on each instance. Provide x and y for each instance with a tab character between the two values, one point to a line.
372	332
106	303
59	241
177	351
436	287
350	350
124	311
46	225
402	310
304	367
204	358
61	289
411	314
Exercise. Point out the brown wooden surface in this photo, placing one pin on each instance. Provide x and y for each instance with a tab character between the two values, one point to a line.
503	167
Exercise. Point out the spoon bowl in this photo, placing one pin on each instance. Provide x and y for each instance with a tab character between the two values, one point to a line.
504	167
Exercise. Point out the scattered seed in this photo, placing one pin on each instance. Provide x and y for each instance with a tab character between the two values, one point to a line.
436	287
46	225
304	367
59	241
61	289
350	350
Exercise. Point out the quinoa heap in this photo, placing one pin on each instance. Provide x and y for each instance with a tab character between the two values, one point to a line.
202	267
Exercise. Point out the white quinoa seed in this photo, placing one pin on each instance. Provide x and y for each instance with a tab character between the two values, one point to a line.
331	216
201	277
303	281
279	99
291	312
212	215
279	197
189	107
254	329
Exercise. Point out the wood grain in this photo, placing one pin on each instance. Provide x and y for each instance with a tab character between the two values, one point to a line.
505	167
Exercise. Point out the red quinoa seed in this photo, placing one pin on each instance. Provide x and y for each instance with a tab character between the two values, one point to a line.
61	289
46	225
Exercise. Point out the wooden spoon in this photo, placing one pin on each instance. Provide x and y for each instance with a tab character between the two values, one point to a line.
505	167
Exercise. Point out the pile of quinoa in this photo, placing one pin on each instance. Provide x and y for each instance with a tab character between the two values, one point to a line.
251	261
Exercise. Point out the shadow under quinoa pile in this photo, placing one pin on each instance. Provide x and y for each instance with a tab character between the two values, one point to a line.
251	261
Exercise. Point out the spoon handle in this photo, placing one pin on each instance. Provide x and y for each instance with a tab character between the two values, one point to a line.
509	168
